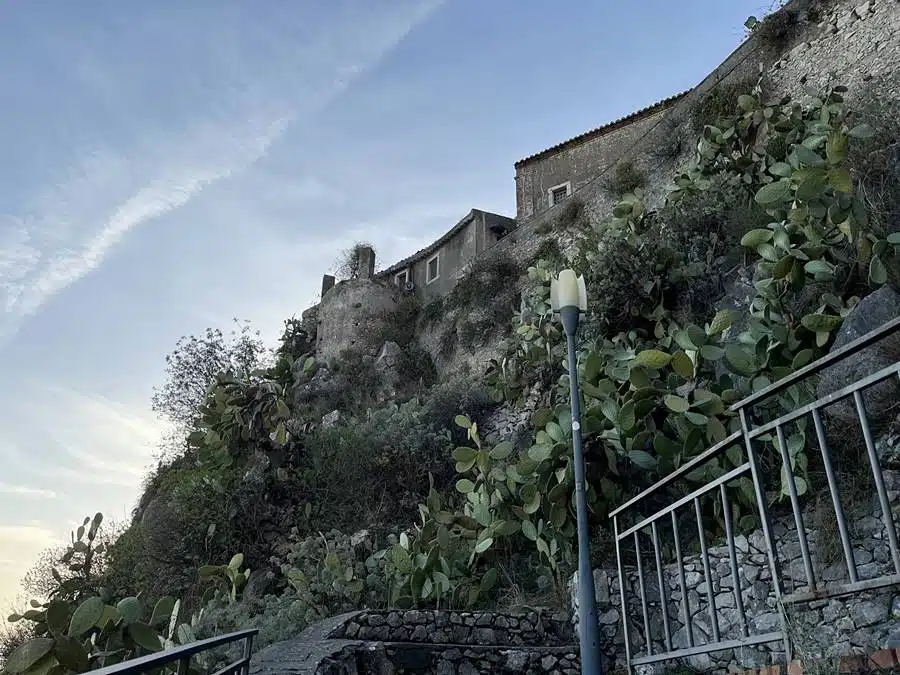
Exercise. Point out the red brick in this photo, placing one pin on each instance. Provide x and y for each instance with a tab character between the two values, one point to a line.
884	658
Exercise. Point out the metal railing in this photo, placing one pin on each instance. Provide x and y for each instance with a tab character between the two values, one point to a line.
655	607
182	656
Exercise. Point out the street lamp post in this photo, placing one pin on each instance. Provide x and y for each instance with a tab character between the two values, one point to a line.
568	297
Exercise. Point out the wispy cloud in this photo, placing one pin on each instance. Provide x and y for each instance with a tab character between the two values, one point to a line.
66	231
93	441
25	491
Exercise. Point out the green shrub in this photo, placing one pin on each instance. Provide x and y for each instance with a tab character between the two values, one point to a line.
443	402
626	178
355	383
433	311
876	160
720	102
626	278
399	325
490	275
415	368
448	339
198	516
705	230
483	301
373	468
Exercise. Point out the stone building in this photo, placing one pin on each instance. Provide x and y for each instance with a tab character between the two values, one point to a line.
432	272
349	312
548	177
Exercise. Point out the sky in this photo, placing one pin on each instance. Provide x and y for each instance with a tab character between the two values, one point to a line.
171	165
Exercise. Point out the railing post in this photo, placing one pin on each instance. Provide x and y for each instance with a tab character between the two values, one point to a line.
766	525
248	650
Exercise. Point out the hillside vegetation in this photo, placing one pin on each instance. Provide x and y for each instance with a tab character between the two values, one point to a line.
261	515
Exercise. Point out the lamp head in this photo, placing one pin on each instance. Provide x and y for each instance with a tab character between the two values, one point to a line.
568	290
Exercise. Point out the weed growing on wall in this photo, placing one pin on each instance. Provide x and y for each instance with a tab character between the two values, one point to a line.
777	29
719	102
348	264
626	178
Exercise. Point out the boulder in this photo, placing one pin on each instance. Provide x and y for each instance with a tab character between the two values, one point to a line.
259	584
331	419
881	400
388	357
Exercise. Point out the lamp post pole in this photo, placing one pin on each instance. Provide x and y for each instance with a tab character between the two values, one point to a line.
589	632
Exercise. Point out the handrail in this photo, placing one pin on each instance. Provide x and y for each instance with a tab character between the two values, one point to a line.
847	350
143	664
683	470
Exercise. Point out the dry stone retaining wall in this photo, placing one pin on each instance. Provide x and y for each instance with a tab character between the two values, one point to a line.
823	629
459	628
433	641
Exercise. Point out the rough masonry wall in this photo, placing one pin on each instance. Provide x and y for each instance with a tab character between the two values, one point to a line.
861	53
824	629
578	164
350	314
459	627
445	642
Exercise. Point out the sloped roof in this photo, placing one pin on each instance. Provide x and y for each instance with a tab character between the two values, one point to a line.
435	245
606	128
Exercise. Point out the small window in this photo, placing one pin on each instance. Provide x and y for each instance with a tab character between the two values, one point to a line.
401	278
559	193
433	269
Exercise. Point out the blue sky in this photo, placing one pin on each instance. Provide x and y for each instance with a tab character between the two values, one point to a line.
170	165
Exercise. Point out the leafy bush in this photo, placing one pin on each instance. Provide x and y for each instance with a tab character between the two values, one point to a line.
374	468
627	275
704	229
488	277
433	311
399	325
626	178
443	402
777	30
415	368
351	386
549	251
349	262
194	364
876	160
572	214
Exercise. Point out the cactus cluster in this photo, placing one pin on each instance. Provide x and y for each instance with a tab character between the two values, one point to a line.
657	393
81	628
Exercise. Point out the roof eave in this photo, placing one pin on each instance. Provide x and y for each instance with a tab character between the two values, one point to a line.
604	129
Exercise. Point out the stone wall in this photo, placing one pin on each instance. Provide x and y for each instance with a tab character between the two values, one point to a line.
856	44
577	161
443	642
459	627
350	315
822	629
